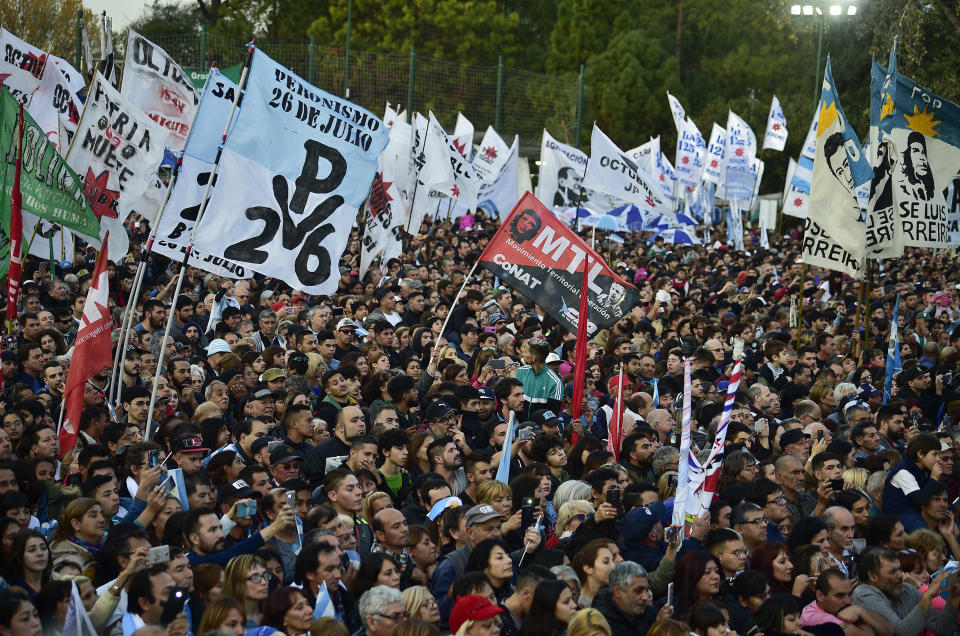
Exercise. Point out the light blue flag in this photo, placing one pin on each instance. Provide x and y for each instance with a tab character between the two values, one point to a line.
740	152
216	100
894	366
503	470
298	158
924	131
884	237
179	488
324	607
656	391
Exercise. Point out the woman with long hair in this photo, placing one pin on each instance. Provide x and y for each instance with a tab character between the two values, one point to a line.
417	453
696	580
492	557
225	616
31	561
421	605
772	558
579	453
376	568
780	614
590	622
246	580
551	609
706	619
156	529
18	615
80	533
225	467
423	549
592	565
859	506
288	611
208	582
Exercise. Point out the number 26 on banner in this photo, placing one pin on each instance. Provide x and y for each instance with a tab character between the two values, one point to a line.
307	236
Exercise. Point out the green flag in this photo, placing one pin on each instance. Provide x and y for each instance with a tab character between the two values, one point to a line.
51	189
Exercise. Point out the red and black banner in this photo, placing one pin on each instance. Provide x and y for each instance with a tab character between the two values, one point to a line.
542	259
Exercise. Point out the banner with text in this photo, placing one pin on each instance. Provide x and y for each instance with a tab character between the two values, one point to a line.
542	259
298	158
157	85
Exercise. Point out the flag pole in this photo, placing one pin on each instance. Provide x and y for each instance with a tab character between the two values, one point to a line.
186	256
127	323
803	280
580	354
453	303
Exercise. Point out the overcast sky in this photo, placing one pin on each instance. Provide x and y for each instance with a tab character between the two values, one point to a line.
123	12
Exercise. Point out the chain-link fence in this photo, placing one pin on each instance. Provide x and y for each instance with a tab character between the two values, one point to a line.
513	101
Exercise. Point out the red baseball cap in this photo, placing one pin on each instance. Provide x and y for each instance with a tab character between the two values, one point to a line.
472	607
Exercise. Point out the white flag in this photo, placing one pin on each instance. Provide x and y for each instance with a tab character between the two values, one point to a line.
21	66
796	198
46	230
77	622
561	173
776	135
691	148
462	136
611	171
307	176
431	170
716	156
676	109
741	150
73	76
116	152
385	205
466	183
157	85
183	204
500	165
838	168
56	108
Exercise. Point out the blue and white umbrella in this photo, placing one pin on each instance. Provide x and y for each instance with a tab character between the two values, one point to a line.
677	236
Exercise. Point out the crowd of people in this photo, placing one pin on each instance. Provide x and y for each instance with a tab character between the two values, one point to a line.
345	467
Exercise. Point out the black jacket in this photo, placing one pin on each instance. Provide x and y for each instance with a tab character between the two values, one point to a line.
620	624
315	462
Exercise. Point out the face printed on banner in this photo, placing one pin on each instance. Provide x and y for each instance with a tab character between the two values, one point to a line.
525	226
837	158
918	180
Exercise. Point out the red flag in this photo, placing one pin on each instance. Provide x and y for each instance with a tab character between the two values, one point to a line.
615	429
580	353
92	350
16	233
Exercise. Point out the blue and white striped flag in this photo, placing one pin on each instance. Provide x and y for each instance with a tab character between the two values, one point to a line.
503	470
324	607
179	489
894	365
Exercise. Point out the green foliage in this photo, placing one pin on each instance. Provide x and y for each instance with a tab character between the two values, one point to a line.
628	81
474	31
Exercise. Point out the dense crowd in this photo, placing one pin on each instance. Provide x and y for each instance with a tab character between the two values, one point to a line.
340	454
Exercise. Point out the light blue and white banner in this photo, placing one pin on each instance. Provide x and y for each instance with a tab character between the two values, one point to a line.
741	151
299	158
776	135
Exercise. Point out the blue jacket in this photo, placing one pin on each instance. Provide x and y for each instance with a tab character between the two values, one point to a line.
907	506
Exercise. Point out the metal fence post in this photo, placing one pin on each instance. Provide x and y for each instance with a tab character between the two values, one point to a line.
203	47
580	106
79	41
498	115
413	72
346	67
313	55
